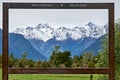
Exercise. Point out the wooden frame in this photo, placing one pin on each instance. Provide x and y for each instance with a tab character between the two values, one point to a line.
6	70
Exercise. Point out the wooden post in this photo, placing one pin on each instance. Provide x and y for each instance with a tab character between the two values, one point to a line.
91	77
5	43
111	43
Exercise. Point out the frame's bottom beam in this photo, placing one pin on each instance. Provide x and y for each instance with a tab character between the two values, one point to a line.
56	71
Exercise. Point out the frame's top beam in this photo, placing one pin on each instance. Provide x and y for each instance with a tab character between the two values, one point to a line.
59	5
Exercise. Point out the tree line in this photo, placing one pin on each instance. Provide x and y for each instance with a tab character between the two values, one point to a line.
58	59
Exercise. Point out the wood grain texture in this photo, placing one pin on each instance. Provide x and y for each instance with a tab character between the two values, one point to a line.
6	70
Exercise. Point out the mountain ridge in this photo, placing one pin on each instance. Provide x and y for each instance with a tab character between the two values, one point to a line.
77	39
45	32
19	45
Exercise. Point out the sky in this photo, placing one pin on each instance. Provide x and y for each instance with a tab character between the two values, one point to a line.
56	17
38	20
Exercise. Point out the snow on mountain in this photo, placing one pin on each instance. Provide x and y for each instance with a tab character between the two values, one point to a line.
41	32
45	32
96	31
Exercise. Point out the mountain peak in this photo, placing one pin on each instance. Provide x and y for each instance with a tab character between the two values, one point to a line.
42	26
63	28
39	26
19	30
29	28
90	24
45	32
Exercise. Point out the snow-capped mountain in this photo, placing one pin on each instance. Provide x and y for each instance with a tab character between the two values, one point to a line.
18	45
45	32
41	32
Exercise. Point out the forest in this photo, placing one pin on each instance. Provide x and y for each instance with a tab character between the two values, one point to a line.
60	59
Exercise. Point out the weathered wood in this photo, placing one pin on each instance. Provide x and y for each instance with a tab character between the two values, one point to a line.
56	71
7	6
5	43
111	43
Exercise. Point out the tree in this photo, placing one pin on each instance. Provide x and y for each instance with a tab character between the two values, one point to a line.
56	49
87	58
53	60
23	61
103	61
11	60
45	64
30	63
24	55
103	57
67	58
16	63
91	65
38	64
57	58
0	61
76	61
117	51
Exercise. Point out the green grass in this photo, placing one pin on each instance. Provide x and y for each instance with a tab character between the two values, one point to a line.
0	74
49	76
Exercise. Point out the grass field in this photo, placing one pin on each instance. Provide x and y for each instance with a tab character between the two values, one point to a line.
0	74
49	76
